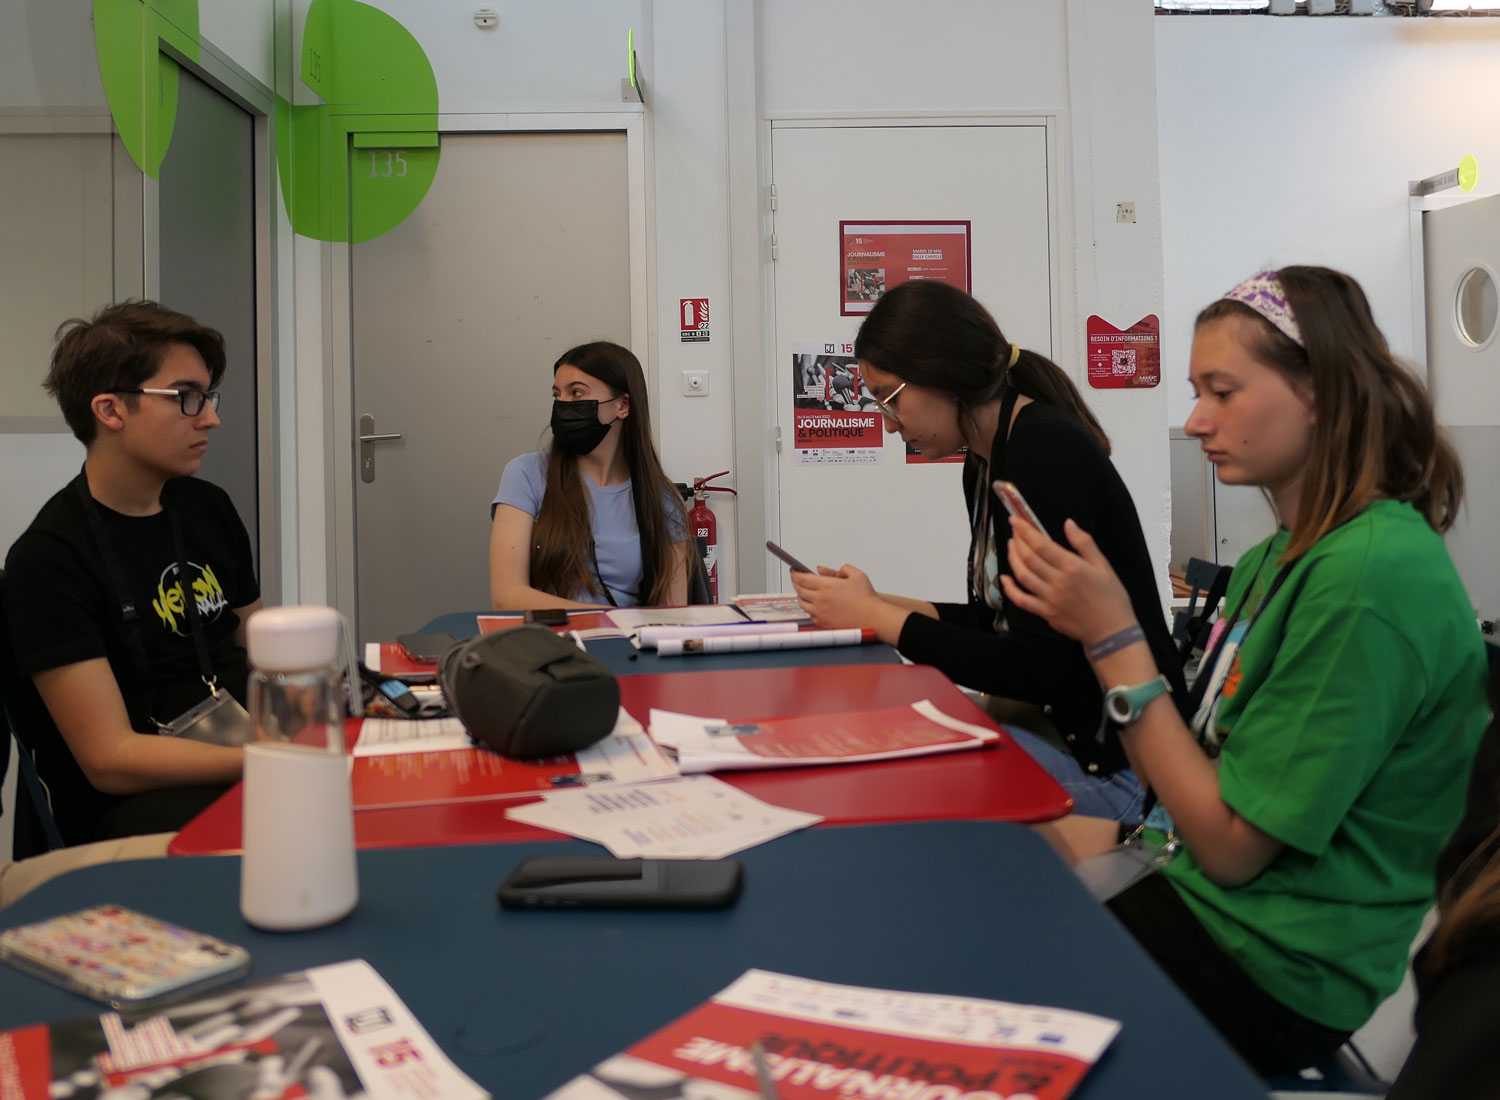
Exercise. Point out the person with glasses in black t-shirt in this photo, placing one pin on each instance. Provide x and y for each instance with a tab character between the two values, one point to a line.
123	573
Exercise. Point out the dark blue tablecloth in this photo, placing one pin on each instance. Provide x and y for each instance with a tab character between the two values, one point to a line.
522	1001
623	659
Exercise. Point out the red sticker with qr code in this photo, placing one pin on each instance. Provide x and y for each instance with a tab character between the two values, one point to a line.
1124	358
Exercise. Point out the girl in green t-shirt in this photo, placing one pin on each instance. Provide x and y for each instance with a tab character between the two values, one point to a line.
1301	810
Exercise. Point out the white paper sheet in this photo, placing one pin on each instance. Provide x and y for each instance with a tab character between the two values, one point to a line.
696	817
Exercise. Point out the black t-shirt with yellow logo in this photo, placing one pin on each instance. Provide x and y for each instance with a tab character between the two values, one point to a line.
61	608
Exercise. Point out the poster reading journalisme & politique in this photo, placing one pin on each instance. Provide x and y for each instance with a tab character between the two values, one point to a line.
835	421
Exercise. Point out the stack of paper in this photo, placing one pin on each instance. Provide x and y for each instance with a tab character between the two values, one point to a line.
693	818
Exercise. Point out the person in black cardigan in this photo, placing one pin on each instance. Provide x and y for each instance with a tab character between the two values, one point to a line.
947	379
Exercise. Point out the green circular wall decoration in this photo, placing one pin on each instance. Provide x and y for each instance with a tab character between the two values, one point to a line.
356	165
140	80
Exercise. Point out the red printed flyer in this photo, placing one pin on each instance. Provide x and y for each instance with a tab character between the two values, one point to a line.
1124	358
879	255
834	418
843	1041
712	744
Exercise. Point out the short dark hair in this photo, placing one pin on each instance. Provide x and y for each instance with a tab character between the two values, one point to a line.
119	349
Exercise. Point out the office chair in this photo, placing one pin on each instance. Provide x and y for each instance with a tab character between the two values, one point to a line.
34	830
1190	628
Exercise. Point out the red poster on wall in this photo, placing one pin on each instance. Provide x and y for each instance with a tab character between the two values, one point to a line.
1124	358
876	256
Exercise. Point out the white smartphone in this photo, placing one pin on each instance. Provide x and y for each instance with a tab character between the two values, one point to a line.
1016	505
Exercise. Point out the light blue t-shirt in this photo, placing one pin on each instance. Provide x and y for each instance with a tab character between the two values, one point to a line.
617	539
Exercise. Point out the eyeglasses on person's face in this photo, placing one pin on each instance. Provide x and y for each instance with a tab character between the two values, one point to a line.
887	404
190	401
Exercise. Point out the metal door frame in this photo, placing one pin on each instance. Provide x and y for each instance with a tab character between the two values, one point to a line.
756	419
339	457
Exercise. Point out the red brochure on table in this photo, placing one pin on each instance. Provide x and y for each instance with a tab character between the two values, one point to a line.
851	737
388	777
841	1041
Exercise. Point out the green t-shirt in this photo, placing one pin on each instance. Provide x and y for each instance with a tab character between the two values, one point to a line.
1349	718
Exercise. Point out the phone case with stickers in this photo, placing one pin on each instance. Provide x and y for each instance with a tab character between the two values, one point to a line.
121	957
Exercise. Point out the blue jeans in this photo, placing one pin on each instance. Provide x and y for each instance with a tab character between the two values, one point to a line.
1118	797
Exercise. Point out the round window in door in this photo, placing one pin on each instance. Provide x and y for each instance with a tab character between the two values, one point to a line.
1477	307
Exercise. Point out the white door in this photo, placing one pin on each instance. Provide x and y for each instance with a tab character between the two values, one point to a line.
518	252
1461	245
903	523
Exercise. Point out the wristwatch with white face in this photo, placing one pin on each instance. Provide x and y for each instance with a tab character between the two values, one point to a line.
1123	705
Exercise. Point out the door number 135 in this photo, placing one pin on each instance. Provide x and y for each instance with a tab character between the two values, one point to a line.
384	163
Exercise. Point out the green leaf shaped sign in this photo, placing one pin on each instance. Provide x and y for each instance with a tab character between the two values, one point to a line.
356	165
140	79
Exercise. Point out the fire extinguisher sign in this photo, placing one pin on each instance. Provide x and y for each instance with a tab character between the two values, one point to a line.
694	317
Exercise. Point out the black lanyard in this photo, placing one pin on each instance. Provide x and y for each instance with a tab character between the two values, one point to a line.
599	576
982	514
128	610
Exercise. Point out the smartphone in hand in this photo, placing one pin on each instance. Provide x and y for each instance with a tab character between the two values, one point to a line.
796	566
1016	505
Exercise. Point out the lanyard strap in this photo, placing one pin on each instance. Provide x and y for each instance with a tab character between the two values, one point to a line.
599	576
1206	670
1211	660
129	613
982	514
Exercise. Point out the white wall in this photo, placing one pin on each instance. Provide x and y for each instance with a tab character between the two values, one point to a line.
47	50
1090	62
1293	141
244	31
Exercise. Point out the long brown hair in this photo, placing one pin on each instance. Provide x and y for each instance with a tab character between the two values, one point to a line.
562	560
1469	905
935	335
1375	434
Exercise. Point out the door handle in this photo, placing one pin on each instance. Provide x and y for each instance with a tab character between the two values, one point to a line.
368	437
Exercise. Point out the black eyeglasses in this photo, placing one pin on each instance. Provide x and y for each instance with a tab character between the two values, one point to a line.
190	401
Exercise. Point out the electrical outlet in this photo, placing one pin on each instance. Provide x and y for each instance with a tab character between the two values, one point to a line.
1124	211
695	383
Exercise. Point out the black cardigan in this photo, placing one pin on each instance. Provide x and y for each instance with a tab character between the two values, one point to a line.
1064	473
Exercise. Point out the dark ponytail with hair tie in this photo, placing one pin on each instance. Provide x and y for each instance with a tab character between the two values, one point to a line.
931	334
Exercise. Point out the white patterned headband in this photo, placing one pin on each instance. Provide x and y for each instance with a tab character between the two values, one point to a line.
1264	294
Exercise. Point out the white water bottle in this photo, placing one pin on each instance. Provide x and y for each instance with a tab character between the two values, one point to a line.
298	868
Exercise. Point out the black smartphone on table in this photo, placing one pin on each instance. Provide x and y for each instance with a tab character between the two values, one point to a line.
425	649
604	882
547	616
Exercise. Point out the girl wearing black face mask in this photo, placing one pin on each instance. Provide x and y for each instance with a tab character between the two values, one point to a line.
592	521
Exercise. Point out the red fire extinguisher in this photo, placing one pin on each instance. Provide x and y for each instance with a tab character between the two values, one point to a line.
705	529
